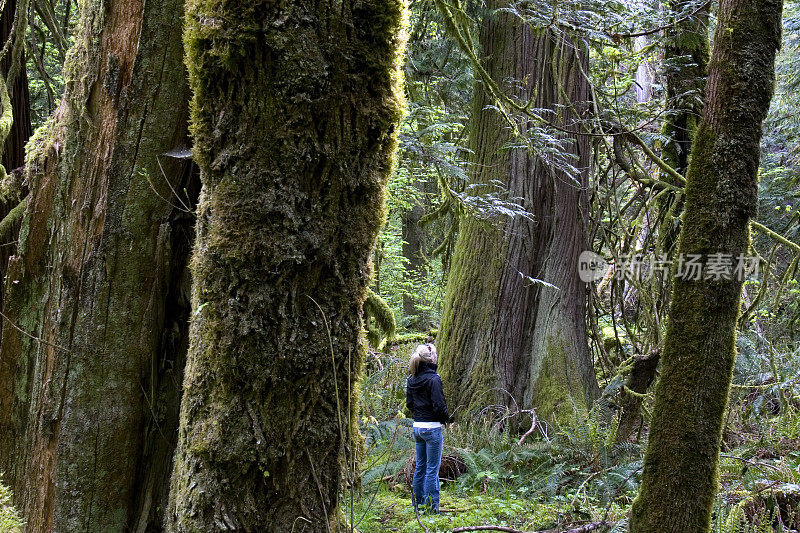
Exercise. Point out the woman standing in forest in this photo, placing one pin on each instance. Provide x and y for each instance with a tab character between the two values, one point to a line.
425	400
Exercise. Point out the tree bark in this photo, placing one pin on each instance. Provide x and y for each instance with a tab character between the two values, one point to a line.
499	330
643	373
680	469
415	268
686	60
91	353
14	146
294	116
686	49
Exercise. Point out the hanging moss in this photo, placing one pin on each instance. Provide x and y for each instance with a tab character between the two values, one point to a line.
376	308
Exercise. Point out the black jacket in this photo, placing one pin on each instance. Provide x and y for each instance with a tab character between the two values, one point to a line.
424	396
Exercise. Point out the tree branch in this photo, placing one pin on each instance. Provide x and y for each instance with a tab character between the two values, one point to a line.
581	529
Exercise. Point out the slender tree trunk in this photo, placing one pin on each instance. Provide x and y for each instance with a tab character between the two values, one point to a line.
685	62
413	243
499	330
90	360
680	469
294	117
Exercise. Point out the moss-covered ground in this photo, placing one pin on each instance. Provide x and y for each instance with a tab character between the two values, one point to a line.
391	510
576	472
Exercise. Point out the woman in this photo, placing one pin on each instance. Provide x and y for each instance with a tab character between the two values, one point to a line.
425	400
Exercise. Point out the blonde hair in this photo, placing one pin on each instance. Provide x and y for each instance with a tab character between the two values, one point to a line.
424	353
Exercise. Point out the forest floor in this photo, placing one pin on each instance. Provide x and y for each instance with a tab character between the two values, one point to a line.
575	472
565	475
555	486
391	510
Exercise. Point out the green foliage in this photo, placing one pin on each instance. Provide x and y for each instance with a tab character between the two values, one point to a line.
430	167
390	445
578	472
383	394
49	36
10	520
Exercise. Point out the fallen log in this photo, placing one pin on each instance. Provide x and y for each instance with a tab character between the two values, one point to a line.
581	529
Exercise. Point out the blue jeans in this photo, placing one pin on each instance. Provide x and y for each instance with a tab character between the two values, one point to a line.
426	472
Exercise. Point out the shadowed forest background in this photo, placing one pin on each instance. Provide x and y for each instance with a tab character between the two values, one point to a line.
225	226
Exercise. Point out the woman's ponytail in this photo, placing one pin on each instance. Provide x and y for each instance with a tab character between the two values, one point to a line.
422	353
413	363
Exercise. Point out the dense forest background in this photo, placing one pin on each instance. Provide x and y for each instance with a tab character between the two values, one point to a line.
527	133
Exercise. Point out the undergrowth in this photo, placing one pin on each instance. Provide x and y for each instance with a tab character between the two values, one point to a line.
576	472
10	521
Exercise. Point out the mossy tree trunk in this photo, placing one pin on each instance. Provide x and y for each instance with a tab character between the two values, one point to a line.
14	145
294	116
500	330
680	468
89	407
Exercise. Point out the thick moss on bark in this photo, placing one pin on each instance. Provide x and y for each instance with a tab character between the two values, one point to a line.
294	115
83	430
499	330
680	469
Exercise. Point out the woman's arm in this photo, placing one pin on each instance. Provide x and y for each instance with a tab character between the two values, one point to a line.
438	401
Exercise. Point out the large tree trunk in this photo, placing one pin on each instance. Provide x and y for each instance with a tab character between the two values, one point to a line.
294	116
91	354
680	468
499	330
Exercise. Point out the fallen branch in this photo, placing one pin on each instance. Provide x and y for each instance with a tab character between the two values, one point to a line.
416	512
533	427
487	528
582	529
590	527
